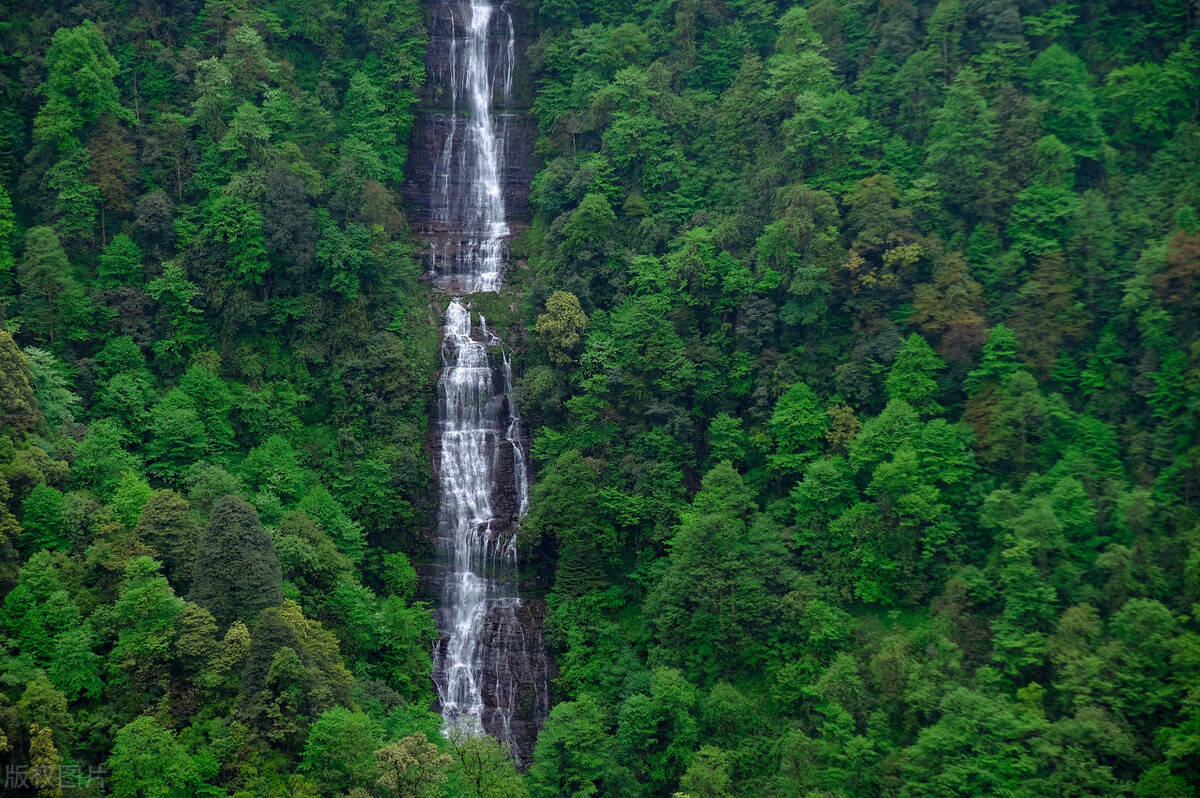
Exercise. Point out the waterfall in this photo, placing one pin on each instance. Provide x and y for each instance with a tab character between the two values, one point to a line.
479	434
470	253
490	666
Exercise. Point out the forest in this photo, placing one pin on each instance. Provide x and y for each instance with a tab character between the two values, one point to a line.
857	341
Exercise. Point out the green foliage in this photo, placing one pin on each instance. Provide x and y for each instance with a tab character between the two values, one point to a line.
412	766
963	132
79	86
45	764
568	519
38	610
121	262
1061	78
52	302
657	729
855	340
708	775
130	497
292	671
143	618
561	327
148	762
165	524
797	425
274	467
210	398
234	226
911	378
713	603
998	360
42	518
7	220
399	576
978	744
1147	100
340	750
176	293
573	750
20	412
177	437
101	460
76	201
41	704
917	273
75	665
51	387
483	767
346	534
207	291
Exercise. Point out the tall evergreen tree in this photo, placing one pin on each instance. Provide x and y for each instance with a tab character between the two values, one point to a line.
237	571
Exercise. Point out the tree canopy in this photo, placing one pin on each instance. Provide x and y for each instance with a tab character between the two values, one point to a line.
855	346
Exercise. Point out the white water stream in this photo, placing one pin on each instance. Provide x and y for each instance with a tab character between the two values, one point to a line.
485	653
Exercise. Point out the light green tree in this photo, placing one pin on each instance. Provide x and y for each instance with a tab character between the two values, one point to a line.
148	762
912	375
412	767
561	327
797	427
121	262
340	751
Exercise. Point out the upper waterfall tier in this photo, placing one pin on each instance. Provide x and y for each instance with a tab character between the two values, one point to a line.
470	166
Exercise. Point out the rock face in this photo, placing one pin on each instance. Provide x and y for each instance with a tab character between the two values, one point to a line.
430	131
470	161
469	173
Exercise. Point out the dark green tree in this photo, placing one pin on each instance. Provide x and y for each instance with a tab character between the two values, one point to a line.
167	526
236	571
52	300
960	140
19	411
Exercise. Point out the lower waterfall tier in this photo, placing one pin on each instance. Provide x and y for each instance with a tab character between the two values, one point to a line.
514	671
490	666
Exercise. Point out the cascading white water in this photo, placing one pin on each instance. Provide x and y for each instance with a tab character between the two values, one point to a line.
467	178
477	428
489	667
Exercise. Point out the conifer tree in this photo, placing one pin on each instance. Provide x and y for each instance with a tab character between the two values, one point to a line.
237	571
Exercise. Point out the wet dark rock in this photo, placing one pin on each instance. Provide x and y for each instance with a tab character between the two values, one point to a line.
490	661
436	116
430	130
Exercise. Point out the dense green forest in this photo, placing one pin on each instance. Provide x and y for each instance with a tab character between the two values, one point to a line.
214	387
858	339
